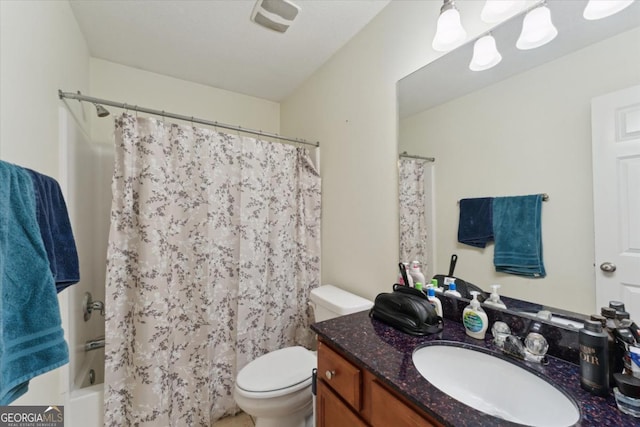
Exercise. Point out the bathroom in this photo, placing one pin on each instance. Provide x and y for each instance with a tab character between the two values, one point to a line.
349	105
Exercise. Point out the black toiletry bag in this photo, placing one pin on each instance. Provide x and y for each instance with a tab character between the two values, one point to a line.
408	310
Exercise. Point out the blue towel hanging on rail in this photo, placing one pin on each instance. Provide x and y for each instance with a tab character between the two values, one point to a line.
518	235
55	229
31	336
475	226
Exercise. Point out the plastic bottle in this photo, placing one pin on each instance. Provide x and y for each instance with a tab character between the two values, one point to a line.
452	290
474	318
617	305
401	279
494	299
625	339
431	296
416	273
434	285
610	314
616	363
448	281
594	358
611	344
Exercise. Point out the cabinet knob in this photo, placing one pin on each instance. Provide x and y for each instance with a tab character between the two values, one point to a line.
330	374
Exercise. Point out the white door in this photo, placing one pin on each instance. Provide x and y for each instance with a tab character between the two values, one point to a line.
615	121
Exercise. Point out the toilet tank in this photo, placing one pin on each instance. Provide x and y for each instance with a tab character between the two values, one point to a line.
329	301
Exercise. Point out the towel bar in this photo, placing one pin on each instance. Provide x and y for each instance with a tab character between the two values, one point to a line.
545	197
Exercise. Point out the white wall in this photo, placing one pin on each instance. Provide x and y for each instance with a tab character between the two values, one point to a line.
350	106
528	134
129	85
41	51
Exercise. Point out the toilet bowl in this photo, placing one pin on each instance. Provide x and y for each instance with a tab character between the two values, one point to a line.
276	388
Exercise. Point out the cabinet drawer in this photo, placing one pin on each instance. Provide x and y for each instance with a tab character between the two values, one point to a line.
341	375
387	410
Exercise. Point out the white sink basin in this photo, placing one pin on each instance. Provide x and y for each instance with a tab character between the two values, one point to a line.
494	386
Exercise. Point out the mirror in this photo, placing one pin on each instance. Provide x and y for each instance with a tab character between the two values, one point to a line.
522	127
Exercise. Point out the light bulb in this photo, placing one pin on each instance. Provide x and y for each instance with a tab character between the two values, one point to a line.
485	54
598	9
449	31
498	10
537	29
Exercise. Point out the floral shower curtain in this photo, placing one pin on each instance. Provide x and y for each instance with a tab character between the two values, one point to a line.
413	218
213	249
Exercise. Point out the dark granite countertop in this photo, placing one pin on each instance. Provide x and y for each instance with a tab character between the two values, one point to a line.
387	353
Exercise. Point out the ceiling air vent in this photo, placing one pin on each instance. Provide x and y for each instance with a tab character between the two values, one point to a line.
276	15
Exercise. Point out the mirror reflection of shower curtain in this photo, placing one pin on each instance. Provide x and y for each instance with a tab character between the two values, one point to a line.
213	249
416	212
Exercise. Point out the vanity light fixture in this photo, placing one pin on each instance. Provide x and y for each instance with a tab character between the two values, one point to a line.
598	9
498	10
449	31
485	54
537	28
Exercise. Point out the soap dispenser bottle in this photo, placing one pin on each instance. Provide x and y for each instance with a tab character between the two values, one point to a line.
494	299
474	318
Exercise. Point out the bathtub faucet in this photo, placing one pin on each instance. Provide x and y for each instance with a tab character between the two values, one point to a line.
89	305
94	344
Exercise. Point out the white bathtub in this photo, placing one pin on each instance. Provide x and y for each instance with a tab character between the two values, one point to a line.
85	407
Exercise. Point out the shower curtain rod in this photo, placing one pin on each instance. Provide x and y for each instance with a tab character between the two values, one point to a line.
80	97
412	156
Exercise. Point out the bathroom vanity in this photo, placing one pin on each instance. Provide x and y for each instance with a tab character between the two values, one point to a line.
350	395
367	377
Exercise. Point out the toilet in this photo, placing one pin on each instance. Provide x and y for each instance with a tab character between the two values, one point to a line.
275	388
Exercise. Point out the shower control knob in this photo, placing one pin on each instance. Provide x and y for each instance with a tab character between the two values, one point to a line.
330	374
608	267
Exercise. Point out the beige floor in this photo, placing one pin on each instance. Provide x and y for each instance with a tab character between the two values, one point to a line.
240	420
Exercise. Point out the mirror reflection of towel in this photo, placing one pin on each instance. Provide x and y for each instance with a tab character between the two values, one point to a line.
475	227
518	236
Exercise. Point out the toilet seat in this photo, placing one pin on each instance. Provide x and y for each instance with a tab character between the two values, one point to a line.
277	373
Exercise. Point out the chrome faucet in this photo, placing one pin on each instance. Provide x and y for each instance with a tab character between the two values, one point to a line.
89	305
94	344
534	348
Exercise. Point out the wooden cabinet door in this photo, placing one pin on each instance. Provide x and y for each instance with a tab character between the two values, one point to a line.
387	410
333	412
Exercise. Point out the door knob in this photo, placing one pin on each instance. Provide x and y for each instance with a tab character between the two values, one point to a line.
608	267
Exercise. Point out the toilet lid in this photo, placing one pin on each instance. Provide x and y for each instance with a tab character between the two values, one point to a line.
276	370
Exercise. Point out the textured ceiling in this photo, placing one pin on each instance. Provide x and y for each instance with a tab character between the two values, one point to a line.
216	44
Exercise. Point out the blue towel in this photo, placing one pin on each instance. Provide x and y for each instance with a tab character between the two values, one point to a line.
518	235
475	227
31	337
55	229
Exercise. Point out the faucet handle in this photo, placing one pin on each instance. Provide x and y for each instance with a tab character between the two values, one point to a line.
500	332
536	347
536	344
